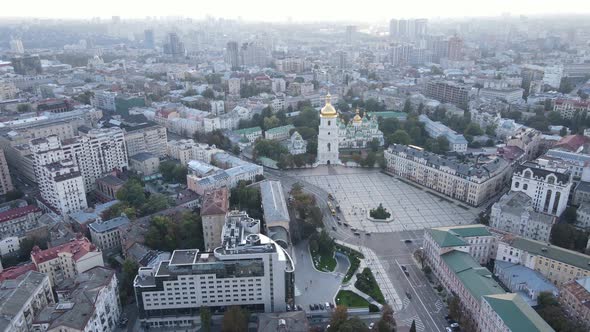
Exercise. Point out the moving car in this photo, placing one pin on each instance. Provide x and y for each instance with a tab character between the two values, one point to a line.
407	241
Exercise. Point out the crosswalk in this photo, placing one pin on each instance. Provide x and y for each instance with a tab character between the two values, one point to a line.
405	303
408	322
439	305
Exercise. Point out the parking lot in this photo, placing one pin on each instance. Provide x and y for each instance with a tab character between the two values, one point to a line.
412	207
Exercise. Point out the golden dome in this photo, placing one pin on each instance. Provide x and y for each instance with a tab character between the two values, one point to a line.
357	118
328	111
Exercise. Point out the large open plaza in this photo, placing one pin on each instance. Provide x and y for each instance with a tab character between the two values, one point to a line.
411	206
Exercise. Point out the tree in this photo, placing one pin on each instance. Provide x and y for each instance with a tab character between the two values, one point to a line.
413	327
271	122
339	317
23	108
181	231
269	148
570	214
132	192
563	132
569	237
420	256
387	322
209	93
190	92
13	195
407	106
400	136
173	172
353	324
379	213
205	314
129	271
235	319
455	308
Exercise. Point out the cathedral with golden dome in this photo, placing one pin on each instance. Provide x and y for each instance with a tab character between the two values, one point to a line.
334	134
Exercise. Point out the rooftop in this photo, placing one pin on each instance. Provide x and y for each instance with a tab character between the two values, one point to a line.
111	180
516	313
81	293
89	215
476	279
18	212
143	156
215	202
108	225
549	251
78	248
14	294
541	172
273	203
247	131
452	236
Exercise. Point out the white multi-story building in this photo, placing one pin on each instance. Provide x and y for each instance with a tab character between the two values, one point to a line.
278	85
475	240
552	76
22	299
510	96
211	178
14	223
67	260
514	213
60	181
217	107
457	142
583	216
105	234
186	150
5	180
97	152
548	188
234	86
104	100
567	108
7	91
248	269
86	302
469	182
146	138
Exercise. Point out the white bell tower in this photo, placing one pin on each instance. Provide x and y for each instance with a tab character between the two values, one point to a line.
328	141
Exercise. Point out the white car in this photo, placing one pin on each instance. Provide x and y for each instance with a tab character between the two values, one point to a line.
371	326
448	329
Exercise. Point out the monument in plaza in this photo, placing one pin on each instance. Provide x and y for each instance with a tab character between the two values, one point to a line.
335	134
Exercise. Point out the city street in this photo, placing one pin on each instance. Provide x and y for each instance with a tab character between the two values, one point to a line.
389	247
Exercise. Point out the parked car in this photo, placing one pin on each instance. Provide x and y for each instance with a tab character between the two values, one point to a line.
327	305
455	325
322	306
311	307
334	228
368	234
345	224
408	241
371	326
408	295
357	233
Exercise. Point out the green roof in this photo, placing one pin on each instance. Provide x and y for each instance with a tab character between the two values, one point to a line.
553	252
452	236
445	238
247	131
476	279
280	129
516	313
389	114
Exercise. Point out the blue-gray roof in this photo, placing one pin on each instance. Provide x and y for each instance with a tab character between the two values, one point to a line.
108	225
87	215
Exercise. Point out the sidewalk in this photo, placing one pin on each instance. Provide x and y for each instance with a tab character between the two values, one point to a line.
371	261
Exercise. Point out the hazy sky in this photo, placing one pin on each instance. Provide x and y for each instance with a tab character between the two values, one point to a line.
300	10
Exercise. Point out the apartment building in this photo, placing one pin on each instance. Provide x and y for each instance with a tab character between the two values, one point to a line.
549	188
214	208
457	142
448	92
145	163
470	182
514	213
106	235
575	299
146	137
104	100
67	260
567	108
15	223
186	150
557	264
86	302
5	180
527	139
22	299
509	95
475	240
249	270
236	170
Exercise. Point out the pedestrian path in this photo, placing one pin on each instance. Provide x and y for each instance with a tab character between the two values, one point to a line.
372	261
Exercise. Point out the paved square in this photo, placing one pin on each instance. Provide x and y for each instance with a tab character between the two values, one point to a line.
412	208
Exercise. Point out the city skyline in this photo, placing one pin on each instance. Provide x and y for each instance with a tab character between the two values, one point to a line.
307	10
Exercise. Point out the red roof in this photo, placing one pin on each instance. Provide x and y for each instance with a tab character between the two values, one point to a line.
18	212
575	103
215	202
78	248
16	271
572	142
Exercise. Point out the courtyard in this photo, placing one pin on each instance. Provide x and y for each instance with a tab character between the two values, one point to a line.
411	206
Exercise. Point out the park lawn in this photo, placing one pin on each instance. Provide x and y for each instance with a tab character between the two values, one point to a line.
324	263
350	299
367	284
354	259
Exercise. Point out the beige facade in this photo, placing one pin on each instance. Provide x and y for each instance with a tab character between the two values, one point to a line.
5	181
468	183
150	139
574	297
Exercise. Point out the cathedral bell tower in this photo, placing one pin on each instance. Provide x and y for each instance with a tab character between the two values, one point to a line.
328	141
